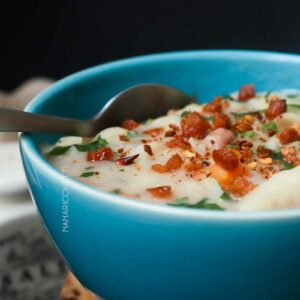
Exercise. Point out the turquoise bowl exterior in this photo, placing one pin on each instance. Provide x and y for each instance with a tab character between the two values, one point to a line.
128	250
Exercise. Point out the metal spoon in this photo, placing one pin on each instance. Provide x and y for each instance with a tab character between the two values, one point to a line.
139	103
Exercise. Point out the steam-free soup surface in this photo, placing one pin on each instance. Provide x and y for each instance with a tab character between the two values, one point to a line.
237	152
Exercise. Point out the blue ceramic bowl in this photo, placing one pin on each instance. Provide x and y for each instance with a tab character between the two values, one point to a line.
127	250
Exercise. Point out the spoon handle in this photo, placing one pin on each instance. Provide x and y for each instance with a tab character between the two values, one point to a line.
19	121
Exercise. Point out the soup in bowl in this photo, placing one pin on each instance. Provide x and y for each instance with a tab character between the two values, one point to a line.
167	239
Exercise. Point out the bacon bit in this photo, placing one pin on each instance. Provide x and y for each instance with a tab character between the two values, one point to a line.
130	124
214	106
193	125
104	153
290	155
123	138
289	135
174	163
221	120
263	152
276	108
252	165
246	92
154	132
193	165
227	159
125	161
160	168
242	125
266	161
178	142
174	127
170	133
148	149
120	150
239	186
164	191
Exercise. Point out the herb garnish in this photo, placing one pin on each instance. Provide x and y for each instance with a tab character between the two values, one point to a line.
225	196
99	143
270	126
293	107
184	113
131	134
87	174
228	97
59	150
268	94
116	191
202	204
278	156
248	134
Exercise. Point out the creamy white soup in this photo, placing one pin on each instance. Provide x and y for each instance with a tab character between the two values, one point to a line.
237	152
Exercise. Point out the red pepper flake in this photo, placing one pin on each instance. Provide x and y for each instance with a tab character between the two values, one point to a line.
125	161
104	153
130	124
246	92
154	132
148	149
164	191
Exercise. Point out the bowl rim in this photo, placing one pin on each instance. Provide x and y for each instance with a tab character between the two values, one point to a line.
30	150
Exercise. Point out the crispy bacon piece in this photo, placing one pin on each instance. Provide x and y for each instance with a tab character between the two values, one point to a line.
173	163
178	142
164	191
148	149
104	153
193	165
239	186
154	132
130	124
160	168
125	161
263	152
246	92
213	106
289	135
242	125
193	125
221	120
276	108
227	159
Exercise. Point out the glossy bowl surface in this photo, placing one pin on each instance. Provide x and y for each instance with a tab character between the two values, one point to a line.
128	250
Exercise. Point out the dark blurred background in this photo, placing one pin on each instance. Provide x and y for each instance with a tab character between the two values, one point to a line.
54	38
